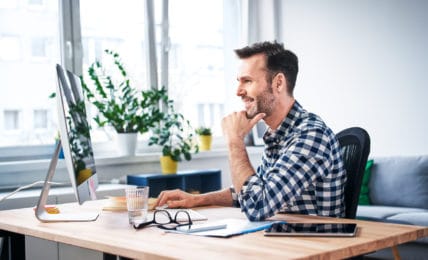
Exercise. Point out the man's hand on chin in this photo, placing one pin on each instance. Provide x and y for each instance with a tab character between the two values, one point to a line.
236	125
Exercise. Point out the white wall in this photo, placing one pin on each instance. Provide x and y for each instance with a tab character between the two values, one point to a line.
364	63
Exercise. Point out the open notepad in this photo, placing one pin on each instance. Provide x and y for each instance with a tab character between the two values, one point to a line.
230	227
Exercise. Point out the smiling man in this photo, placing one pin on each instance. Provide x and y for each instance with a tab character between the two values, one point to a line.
301	169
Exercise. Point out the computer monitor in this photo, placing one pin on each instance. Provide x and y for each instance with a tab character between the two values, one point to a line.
76	143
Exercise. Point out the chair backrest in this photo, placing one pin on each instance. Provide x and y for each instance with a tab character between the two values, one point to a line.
355	147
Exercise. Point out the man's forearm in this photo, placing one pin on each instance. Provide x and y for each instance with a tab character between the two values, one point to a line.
219	198
240	165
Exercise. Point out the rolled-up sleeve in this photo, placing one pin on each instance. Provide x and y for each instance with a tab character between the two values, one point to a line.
235	200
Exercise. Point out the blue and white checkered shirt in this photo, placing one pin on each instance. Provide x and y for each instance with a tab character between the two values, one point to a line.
301	171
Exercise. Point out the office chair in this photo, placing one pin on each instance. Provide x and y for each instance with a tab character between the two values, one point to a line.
355	147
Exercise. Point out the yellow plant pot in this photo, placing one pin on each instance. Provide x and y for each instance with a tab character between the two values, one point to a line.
168	165
205	142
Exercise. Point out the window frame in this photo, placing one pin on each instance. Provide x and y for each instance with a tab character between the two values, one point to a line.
72	59
17	116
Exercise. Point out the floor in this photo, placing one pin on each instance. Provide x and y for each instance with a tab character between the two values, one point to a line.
409	251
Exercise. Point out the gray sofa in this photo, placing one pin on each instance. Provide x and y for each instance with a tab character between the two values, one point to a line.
398	193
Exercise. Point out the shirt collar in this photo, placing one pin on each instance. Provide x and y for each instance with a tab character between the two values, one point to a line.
286	125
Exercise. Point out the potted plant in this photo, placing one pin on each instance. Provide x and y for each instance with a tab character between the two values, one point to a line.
205	138
128	110
175	135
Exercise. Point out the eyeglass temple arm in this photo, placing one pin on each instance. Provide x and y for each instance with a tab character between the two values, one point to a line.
141	225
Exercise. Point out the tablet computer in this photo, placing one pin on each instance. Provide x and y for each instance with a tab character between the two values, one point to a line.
312	229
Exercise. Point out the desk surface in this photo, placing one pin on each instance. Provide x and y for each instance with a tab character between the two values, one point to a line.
112	234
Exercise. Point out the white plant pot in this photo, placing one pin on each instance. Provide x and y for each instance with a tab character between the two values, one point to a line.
126	143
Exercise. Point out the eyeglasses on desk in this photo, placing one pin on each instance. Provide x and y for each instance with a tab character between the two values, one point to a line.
164	220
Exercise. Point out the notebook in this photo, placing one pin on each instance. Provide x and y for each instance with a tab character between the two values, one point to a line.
233	227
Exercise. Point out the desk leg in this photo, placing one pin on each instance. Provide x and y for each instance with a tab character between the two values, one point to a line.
109	257
396	253
13	246
113	257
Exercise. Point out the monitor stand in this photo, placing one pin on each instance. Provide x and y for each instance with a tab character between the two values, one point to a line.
42	214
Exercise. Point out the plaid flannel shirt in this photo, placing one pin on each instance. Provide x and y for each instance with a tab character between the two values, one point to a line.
301	171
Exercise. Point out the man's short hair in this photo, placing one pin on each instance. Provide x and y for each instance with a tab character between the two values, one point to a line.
278	60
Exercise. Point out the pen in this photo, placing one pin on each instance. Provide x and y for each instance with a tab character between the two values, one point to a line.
201	227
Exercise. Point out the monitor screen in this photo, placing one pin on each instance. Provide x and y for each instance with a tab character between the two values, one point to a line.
75	136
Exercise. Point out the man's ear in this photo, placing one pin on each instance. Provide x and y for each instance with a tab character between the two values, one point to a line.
279	82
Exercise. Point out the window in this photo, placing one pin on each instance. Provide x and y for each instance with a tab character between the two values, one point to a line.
199	70
209	114
196	61
40	119
11	120
39	47
196	51
121	31
35	2
27	34
196	71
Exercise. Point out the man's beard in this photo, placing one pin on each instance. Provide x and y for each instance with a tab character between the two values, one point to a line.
265	103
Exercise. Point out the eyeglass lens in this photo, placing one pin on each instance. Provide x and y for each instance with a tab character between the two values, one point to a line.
162	217
182	217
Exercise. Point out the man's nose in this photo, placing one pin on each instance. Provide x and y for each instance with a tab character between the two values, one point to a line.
240	91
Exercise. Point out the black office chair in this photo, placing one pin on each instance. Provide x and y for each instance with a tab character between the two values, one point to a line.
355	147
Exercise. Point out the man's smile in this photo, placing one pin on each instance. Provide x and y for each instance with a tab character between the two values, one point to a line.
247	101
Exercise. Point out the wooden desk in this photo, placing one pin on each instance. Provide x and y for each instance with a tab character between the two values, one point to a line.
112	234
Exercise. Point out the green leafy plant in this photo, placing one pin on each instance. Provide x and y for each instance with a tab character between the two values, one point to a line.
202	130
175	135
120	105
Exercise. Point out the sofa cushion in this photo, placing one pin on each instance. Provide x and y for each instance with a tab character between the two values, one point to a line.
364	198
397	215
414	218
400	181
382	213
